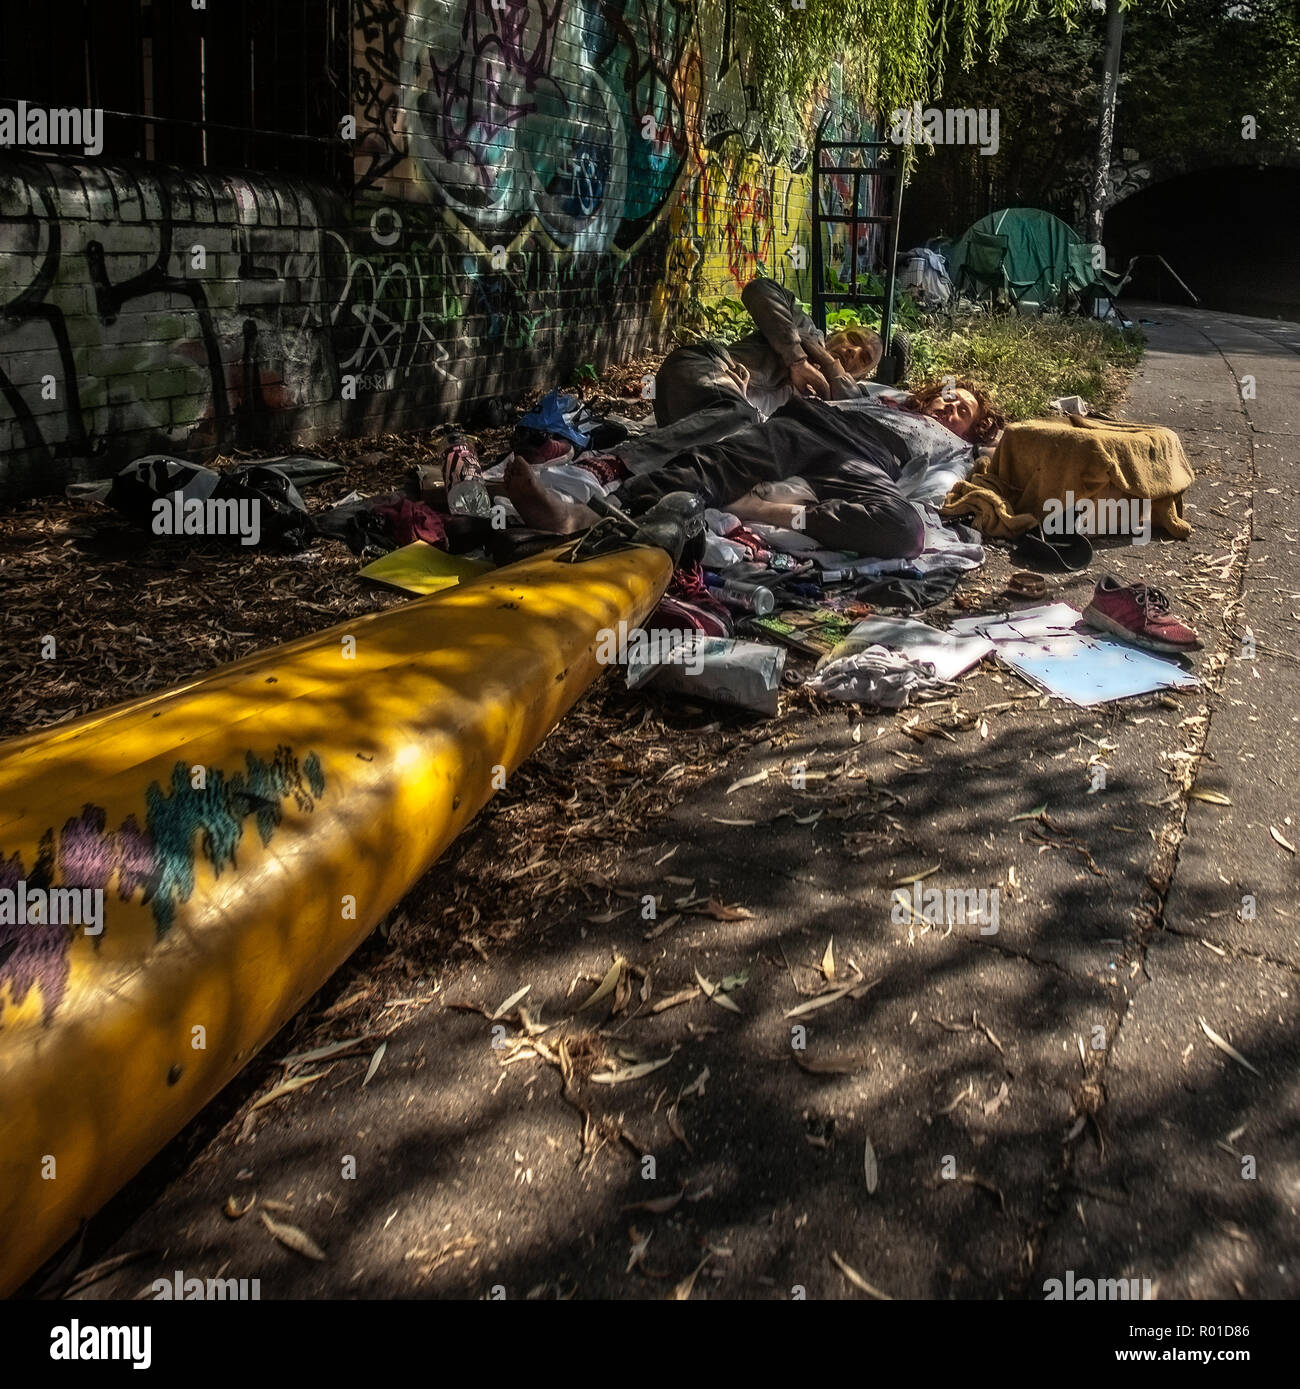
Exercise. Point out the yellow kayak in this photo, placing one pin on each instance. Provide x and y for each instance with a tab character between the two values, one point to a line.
179	874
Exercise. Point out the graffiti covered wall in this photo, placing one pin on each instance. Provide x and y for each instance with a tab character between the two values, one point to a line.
538	184
152	310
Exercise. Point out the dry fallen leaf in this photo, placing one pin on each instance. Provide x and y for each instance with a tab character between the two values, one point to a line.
719	911
747	781
870	1169
639	1247
857	1279
696	1087
433	1259
675	1127
967	1094
1211	797
828	960
511	1001
374	1063
606	985
294	1238
917	877
820	1001
637	1072
665	925
1226	1047
658	1205
682	1292
285	1088
302	1058
234	1211
1284	842
672	1001
714	992
992	1105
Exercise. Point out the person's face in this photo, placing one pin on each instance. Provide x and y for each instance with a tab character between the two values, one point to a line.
959	411
851	357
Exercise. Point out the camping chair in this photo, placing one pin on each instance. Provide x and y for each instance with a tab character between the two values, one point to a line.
1093	284
985	267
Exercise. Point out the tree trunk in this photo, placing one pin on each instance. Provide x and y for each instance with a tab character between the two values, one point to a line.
1106	126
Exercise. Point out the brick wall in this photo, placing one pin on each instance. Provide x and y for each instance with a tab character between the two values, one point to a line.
535	187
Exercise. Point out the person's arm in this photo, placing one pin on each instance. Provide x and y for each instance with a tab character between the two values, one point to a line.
779	319
783	324
842	385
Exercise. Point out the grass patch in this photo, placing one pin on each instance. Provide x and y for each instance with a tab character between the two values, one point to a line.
1027	362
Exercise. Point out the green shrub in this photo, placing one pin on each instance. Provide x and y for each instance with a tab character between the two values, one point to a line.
1028	362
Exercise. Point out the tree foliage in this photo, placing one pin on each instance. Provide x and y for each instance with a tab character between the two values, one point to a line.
1187	79
890	52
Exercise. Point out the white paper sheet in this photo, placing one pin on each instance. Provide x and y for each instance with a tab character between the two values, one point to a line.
1054	649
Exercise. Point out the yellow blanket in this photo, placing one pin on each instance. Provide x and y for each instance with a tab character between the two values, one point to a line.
1040	460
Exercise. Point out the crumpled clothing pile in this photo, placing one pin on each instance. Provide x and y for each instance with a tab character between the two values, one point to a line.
875	676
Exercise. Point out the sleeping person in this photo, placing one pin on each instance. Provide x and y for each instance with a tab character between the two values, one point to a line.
708	390
840	470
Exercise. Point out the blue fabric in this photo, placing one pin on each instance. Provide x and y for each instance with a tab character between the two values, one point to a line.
549	416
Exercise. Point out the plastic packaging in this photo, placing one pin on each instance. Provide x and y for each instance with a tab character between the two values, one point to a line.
745	674
469	497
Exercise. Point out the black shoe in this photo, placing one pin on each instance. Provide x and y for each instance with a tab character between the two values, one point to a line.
1070	552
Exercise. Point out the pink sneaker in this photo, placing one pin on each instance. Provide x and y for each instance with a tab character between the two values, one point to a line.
1139	614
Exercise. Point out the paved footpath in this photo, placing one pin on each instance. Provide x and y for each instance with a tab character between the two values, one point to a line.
1037	1100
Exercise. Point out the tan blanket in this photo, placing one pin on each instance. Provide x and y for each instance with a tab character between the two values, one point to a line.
1040	460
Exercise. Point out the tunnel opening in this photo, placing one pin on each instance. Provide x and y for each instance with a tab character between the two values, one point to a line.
1229	233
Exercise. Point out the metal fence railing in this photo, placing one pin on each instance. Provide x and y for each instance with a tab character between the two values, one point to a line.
249	84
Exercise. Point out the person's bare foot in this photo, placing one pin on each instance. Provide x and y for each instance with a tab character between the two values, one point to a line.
539	507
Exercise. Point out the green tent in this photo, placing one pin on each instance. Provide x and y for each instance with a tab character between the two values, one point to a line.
1029	254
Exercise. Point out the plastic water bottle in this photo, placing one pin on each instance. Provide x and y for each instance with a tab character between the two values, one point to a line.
467	495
